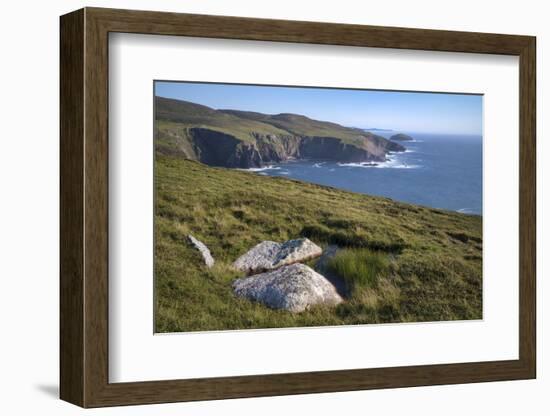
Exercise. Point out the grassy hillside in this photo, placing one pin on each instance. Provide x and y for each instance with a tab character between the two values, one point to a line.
400	262
180	114
300	125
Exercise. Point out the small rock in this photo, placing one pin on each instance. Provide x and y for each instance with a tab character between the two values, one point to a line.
269	255
205	252
293	288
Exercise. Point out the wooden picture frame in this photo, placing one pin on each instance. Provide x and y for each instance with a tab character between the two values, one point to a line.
84	207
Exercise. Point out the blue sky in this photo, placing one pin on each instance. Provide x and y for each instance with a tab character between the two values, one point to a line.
402	111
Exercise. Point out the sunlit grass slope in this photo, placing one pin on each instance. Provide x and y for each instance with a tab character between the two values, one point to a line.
400	262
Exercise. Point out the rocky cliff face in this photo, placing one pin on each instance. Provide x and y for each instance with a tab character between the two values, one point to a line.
219	149
241	139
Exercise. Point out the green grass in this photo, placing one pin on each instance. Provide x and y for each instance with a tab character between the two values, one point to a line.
429	260
359	268
173	116
300	125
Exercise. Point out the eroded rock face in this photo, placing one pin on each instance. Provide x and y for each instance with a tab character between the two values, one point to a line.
210	137
203	249
269	255
293	288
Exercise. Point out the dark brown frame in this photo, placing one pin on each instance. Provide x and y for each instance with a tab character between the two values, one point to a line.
84	208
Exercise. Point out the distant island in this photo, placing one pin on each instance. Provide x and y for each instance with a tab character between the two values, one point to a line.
400	137
245	139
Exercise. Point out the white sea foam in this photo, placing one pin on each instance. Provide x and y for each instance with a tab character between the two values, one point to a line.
358	165
318	165
396	164
389	164
269	167
400	166
466	211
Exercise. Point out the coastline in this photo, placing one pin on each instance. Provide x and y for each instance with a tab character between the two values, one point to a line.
428	173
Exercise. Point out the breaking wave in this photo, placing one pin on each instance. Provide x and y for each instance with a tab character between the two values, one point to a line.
269	167
388	164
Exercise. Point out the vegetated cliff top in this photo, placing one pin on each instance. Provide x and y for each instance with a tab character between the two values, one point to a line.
242	124
190	114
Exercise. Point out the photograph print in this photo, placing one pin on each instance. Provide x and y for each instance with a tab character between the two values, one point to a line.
295	206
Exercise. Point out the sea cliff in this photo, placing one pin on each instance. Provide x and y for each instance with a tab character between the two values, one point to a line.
238	139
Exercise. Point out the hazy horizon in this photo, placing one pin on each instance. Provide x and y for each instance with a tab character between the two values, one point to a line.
425	112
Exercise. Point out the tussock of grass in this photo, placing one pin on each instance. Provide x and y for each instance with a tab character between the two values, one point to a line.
424	268
360	268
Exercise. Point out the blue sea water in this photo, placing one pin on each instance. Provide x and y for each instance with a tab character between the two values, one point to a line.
439	171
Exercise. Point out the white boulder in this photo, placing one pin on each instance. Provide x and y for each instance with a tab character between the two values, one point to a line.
269	255
293	288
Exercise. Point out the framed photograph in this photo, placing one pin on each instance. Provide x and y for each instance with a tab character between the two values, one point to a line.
257	207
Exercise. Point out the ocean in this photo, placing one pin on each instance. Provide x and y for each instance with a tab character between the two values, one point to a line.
438	171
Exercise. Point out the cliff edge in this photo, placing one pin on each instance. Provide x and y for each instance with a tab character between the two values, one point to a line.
242	139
